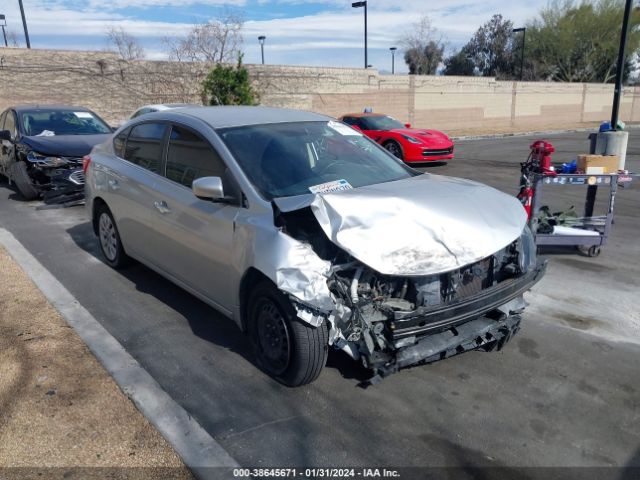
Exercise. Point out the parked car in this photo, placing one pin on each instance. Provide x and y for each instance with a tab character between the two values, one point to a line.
310	235
413	145
159	108
42	148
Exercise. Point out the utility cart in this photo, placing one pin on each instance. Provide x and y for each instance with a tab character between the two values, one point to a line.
589	232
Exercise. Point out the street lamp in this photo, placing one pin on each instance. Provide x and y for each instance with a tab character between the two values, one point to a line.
524	32
393	59
261	39
24	24
617	90
358	5
3	23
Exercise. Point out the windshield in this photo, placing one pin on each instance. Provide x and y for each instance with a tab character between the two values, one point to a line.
62	122
381	123
287	159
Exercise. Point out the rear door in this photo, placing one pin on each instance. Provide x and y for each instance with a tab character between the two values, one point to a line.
194	235
131	187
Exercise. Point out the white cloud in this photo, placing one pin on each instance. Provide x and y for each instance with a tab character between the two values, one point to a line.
333	37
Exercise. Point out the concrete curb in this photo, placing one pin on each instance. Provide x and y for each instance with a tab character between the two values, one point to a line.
198	450
538	132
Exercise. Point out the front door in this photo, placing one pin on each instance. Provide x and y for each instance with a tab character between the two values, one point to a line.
195	235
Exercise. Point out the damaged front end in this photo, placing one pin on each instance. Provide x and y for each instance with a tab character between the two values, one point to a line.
390	321
59	179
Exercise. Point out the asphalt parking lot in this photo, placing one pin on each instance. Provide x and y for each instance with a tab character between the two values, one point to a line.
564	392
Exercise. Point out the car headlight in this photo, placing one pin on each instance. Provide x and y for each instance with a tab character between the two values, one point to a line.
411	139
527	258
45	160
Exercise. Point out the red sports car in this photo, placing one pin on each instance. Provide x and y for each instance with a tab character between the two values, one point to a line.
413	145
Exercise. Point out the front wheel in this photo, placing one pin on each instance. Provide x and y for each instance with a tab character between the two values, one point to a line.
394	148
19	175
288	349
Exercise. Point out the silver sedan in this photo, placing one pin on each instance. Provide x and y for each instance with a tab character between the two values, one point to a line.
310	236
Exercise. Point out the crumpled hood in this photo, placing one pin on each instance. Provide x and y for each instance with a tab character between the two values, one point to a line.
421	225
65	145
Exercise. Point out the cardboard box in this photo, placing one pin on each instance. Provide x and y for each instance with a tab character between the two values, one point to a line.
598	163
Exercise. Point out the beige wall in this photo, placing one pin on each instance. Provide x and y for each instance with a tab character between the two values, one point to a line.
115	88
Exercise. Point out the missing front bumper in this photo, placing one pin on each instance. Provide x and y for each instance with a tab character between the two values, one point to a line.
483	333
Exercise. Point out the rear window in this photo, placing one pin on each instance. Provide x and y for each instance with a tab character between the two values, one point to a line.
145	145
120	141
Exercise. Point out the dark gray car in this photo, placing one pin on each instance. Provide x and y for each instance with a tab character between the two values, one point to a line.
309	235
41	148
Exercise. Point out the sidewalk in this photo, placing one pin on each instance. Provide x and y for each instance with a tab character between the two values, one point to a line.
58	406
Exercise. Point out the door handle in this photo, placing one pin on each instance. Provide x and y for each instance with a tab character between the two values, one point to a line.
114	184
162	207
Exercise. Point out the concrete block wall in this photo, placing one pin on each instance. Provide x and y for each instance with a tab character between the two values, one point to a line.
115	88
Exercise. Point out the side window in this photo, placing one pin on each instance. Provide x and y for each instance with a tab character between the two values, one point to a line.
119	142
190	157
144	145
359	122
4	114
10	123
349	120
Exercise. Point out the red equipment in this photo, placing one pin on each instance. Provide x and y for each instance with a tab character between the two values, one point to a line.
526	197
541	156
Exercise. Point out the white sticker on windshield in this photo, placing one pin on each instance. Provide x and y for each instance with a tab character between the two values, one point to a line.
46	133
342	129
330	187
83	114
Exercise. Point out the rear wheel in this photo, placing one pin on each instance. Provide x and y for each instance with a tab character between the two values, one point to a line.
288	349
394	148
19	175
109	239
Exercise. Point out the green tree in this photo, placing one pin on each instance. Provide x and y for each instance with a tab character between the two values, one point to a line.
492	47
229	85
459	63
573	42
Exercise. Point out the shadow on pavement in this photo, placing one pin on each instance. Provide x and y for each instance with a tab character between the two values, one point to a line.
205	322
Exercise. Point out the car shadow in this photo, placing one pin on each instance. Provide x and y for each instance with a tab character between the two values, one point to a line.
205	322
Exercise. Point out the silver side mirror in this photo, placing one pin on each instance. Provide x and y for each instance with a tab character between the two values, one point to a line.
208	188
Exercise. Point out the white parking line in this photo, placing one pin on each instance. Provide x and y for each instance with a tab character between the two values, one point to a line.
198	450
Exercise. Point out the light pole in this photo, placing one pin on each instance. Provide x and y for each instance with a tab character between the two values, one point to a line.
393	59
3	23
524	32
261	39
620	66
24	24
358	5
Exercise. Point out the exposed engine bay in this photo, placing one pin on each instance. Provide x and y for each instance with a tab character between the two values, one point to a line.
389	321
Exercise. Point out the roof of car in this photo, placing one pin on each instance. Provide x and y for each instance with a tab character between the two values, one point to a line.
236	116
167	106
361	114
35	108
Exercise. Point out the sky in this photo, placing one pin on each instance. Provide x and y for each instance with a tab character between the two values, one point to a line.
299	32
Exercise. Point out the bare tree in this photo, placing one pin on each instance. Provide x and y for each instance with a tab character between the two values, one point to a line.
423	47
126	45
13	40
215	41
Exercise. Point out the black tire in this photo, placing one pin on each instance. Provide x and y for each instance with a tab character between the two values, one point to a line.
19	175
109	239
286	348
394	148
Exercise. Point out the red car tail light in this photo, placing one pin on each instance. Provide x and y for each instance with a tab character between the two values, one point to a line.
86	160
